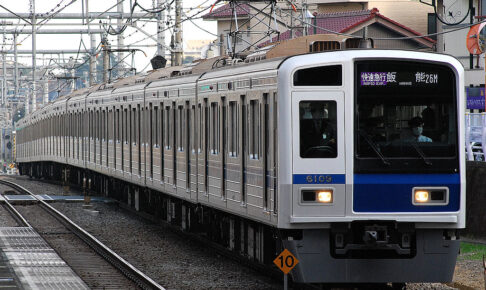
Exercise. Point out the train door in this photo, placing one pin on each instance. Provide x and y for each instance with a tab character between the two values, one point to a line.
175	136
169	151
179	152
254	163
318	154
215	166
135	144
108	137
243	145
162	143
116	139
187	145
233	156
224	149
94	125
156	137
149	160
139	140
193	131
124	140
203	117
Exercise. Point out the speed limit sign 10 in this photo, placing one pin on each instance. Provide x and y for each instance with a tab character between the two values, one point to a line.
286	261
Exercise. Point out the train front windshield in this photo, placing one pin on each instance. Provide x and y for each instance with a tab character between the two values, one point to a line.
405	117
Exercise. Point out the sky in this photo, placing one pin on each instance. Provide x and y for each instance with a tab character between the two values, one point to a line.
72	42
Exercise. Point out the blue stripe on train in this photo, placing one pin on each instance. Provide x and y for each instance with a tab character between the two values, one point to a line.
319	179
393	192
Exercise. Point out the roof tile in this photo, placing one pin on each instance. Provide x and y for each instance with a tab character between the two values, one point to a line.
225	11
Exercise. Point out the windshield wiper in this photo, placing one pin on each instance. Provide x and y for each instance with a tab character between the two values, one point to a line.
421	153
375	148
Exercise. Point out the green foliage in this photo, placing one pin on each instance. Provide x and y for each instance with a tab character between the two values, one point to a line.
472	251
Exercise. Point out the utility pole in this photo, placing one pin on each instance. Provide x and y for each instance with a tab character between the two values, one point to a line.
4	73
34	55
4	68
106	59
92	59
120	42
161	29
16	72
440	37
178	34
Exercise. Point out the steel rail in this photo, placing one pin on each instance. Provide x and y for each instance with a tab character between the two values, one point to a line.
16	214
118	262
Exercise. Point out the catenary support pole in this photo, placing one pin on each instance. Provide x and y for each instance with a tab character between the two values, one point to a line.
161	29
178	34
34	55
16	70
106	59
92	57
119	39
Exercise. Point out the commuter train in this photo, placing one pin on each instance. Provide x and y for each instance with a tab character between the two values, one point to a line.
351	159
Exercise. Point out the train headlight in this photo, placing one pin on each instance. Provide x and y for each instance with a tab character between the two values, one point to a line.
317	196
430	196
422	196
324	196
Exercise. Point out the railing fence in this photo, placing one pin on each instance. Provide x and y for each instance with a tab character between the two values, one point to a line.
475	136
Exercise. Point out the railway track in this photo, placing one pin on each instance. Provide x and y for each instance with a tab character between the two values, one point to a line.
147	264
96	264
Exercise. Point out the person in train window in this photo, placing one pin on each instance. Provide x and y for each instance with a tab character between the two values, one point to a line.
416	125
325	133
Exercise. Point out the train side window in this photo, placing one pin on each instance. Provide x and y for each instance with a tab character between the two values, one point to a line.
163	126
99	125
330	75
125	126
167	126
318	129
138	127
111	126
214	128
117	130
254	148
193	129
103	125
134	126
233	129
155	133
180	127
201	128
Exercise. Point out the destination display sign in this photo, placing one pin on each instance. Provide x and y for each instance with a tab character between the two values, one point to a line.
403	79
397	78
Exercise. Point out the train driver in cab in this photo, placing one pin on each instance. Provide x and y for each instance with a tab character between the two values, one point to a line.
416	125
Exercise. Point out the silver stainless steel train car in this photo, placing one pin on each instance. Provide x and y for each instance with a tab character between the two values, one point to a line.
353	160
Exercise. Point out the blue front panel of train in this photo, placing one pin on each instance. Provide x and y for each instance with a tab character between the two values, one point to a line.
393	192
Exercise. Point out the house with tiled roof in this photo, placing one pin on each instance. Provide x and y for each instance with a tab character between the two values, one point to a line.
340	16
385	32
225	16
410	13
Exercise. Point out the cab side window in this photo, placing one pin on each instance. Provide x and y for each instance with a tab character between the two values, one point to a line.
318	129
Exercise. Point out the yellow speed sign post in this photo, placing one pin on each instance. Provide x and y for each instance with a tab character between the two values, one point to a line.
286	262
